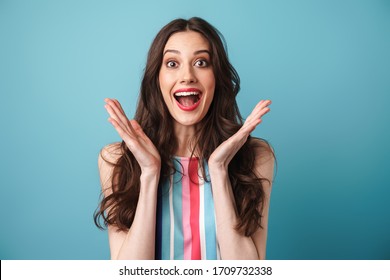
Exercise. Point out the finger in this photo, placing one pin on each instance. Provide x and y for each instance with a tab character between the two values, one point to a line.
260	109
112	112
138	129
261	105
256	119
253	120
115	106
261	113
120	115
119	106
119	111
122	133
135	128
118	120
247	129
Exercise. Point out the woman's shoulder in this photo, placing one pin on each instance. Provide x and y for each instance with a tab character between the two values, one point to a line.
261	147
264	153
110	154
108	158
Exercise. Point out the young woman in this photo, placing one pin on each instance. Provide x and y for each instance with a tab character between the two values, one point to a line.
187	181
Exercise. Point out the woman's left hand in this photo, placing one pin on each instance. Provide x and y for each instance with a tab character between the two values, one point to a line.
225	152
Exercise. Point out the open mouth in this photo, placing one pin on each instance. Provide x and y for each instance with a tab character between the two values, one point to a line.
188	100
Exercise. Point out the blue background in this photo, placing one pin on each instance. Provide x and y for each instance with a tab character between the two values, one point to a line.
324	64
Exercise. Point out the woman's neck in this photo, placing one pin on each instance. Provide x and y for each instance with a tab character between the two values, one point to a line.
184	135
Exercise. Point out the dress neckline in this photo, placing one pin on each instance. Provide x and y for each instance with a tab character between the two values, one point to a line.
184	158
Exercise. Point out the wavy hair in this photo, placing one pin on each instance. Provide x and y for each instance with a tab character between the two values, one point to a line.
221	121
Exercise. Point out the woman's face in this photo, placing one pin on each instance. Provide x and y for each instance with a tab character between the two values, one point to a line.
186	77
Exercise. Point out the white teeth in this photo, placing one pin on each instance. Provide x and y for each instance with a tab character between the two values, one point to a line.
186	93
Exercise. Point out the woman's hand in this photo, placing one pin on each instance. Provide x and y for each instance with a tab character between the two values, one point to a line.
225	152
136	140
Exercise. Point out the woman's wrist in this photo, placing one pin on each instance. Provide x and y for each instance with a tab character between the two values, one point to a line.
219	177
216	168
151	171
150	179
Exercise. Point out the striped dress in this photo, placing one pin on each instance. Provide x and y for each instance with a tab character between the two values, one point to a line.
185	223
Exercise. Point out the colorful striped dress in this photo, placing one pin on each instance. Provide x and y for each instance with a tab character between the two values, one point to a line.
185	223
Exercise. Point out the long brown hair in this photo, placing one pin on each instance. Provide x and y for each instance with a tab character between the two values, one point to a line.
221	121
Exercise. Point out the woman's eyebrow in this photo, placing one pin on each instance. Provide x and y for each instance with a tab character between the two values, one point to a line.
202	51
173	51
178	52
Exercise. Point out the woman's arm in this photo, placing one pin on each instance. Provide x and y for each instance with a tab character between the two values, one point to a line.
234	245
264	169
139	241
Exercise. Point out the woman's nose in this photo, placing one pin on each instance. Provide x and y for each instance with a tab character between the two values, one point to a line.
187	75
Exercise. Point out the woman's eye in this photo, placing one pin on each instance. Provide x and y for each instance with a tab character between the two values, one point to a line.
201	63
171	64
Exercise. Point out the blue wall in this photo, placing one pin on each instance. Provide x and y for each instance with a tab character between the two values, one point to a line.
325	65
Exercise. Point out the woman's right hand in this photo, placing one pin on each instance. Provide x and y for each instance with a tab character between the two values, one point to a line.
136	140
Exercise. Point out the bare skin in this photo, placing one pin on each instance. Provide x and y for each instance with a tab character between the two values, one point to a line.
139	241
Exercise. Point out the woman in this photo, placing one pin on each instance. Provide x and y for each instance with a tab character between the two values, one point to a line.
187	181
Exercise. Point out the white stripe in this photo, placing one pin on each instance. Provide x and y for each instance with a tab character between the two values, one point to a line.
171	214
202	231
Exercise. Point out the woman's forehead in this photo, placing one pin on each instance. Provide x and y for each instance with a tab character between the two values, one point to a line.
187	41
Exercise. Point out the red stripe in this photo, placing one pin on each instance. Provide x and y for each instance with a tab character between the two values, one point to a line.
194	216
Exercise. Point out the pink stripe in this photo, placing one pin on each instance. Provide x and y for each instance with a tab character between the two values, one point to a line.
186	212
194	190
